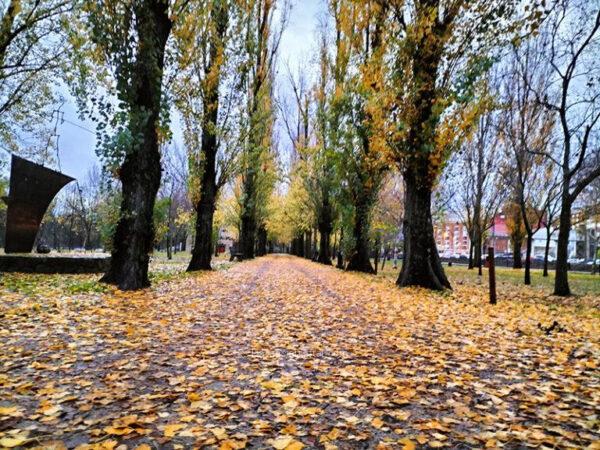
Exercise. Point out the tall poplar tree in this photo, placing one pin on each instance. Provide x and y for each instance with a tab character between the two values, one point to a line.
204	58
262	42
439	49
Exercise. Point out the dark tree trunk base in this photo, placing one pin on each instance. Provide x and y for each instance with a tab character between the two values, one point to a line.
354	265
262	241
326	261
203	245
198	264
421	265
340	261
561	280
324	257
248	237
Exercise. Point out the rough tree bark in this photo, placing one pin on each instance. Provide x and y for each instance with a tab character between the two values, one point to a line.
359	259
140	172
421	265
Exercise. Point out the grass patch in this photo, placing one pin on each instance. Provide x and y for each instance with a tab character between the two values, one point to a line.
581	283
40	284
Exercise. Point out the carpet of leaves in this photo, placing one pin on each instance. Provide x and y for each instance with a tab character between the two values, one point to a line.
288	354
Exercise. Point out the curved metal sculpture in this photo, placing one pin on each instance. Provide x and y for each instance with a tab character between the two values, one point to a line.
32	188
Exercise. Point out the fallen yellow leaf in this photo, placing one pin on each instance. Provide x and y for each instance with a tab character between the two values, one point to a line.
377	422
8	410
281	442
173	428
13	441
407	444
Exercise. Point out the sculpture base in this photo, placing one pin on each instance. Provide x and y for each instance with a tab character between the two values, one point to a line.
53	264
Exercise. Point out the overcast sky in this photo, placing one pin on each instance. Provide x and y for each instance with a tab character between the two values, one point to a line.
77	145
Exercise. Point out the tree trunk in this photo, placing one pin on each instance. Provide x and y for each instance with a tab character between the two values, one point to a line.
203	245
169	244
546	252
340	258
325	227
262	241
517	260
376	255
528	258
561	280
471	249
359	259
421	265
140	172
324	257
248	235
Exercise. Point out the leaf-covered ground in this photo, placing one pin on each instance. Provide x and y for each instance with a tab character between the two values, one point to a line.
284	353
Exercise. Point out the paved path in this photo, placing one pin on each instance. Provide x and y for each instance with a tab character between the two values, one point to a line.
281	351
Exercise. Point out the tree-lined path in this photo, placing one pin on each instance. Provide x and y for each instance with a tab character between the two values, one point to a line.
282	352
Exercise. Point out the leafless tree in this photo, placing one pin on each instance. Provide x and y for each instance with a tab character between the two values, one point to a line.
478	194
571	43
32	48
526	128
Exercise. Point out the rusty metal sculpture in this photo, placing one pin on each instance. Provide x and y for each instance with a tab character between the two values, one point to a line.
32	188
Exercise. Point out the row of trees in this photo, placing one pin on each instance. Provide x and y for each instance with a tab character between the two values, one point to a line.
535	152
499	98
492	108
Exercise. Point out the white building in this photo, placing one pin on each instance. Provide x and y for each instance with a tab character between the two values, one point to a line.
582	241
